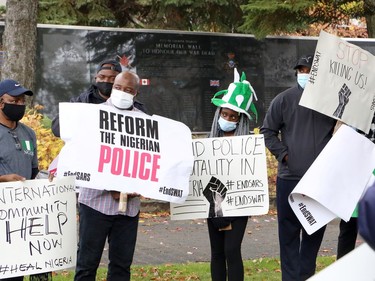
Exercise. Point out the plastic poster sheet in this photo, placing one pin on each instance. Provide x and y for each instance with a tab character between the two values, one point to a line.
354	266
38	226
341	83
335	182
229	178
127	151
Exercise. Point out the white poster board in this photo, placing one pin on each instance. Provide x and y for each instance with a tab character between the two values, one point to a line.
38	226
335	182
354	266
229	178
127	151
341	83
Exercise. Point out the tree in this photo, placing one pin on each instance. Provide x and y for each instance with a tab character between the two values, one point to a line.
259	17
265	17
19	42
369	13
86	13
212	15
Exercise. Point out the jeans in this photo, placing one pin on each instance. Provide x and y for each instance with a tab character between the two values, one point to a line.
94	229
298	250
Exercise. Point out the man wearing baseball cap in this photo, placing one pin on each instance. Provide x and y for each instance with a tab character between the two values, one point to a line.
303	134
18	153
99	91
12	97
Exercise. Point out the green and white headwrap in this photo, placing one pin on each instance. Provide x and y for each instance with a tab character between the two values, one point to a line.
238	96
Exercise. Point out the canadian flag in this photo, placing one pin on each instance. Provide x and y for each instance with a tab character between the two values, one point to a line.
145	82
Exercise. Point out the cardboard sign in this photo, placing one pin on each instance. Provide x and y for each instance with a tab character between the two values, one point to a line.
127	151
335	182
229	178
38	226
341	83
356	265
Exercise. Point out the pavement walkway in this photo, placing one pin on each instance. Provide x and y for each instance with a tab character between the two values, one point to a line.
161	240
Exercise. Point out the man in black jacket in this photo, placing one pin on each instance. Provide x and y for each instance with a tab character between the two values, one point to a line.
99	91
303	134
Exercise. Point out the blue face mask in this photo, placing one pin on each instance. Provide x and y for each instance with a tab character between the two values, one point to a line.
302	79
227	126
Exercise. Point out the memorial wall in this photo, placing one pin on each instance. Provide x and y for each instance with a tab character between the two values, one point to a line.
180	71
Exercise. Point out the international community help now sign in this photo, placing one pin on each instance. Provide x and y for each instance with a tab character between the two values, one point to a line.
229	178
38	226
341	82
127	151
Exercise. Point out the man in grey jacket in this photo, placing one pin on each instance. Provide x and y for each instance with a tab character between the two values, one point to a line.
295	135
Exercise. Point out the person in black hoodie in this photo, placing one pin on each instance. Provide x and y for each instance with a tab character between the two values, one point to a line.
99	91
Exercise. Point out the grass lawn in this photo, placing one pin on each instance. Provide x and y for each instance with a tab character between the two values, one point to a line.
258	269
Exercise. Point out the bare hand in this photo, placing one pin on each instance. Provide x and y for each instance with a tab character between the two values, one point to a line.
11	177
51	176
134	194
285	160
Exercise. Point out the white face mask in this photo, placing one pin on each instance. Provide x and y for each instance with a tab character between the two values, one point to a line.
121	100
302	79
227	126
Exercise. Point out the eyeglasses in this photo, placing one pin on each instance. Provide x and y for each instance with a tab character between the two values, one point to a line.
16	140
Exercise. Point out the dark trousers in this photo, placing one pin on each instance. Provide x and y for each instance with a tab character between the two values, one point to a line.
226	258
298	250
347	237
94	229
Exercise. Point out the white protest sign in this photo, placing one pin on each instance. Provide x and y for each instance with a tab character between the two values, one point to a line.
127	151
38	226
334	183
341	83
354	266
229	178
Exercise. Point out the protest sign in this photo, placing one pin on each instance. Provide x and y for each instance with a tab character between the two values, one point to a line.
341	83
38	226
334	183
356	265
229	178
127	151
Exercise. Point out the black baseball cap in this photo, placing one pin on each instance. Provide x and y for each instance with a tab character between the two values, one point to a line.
13	88
305	60
115	66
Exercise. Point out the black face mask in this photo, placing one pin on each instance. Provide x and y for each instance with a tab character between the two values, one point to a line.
14	112
105	88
